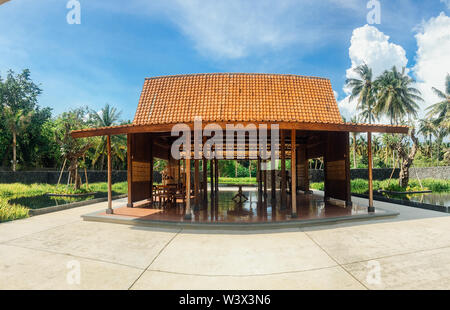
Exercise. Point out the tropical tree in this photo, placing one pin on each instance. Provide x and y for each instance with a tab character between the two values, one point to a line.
72	149
18	98
427	129
362	89
396	96
354	135
441	110
108	116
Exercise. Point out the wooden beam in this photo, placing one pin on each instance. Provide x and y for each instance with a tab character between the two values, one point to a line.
130	128
369	152
108	142
293	175
211	177
188	215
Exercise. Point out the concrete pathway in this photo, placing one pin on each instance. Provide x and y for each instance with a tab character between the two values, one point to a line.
60	251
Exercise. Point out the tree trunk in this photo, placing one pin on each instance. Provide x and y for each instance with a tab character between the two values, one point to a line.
406	159
236	169
14	150
250	168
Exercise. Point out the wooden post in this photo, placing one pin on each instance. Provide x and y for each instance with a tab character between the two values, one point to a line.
188	215
293	174
130	169
196	180
265	178
151	169
109	210
258	173
205	174
369	152
211	177
283	170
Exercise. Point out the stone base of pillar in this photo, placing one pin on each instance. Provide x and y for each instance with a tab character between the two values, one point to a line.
129	205
349	204
371	209
294	215
188	216
109	211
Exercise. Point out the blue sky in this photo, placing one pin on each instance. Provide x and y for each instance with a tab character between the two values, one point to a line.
119	43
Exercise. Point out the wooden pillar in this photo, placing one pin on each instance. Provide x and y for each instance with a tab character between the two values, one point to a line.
151	169
293	174
265	178
259	174
205	178
216	175
130	169
196	180
188	215
272	181
283	169
369	152
211	177
109	210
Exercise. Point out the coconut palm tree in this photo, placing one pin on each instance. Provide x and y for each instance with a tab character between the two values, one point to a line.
441	110
107	116
396	97
427	129
363	90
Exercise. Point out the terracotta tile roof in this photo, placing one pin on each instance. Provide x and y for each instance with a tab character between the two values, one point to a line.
221	97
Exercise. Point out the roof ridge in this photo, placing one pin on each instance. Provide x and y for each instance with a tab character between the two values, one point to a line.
235	73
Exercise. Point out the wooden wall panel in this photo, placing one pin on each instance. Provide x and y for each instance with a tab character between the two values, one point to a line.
140	172
336	170
302	168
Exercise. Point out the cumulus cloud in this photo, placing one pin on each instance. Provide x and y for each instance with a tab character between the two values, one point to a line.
371	46
447	3
432	58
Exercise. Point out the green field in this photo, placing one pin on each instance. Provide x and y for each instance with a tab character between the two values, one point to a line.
17	198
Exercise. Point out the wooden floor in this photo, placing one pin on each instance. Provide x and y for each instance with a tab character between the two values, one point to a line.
224	209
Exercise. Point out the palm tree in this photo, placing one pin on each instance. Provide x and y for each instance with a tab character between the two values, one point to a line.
441	110
354	135
427	129
107	116
363	90
396	97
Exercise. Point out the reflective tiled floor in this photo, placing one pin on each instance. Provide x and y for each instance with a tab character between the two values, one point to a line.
254	209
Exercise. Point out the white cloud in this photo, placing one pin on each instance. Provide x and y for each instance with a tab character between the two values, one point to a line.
432	58
233	29
371	46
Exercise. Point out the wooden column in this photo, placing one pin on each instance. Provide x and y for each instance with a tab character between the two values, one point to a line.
272	181
188	215
293	174
283	170
369	152
264	172
259	175
108	142
130	169
151	169
205	179
211	177
196	180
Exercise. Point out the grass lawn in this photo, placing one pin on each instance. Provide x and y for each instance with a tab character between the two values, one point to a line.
17	198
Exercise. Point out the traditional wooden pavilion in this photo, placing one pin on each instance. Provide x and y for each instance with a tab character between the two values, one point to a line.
304	108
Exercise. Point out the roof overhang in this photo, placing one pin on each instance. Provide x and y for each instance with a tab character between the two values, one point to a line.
345	127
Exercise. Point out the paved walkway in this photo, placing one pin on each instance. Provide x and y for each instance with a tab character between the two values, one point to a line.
411	251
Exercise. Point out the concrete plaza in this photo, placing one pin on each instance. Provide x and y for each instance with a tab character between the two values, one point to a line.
61	251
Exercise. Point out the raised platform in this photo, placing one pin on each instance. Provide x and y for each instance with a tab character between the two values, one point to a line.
254	214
